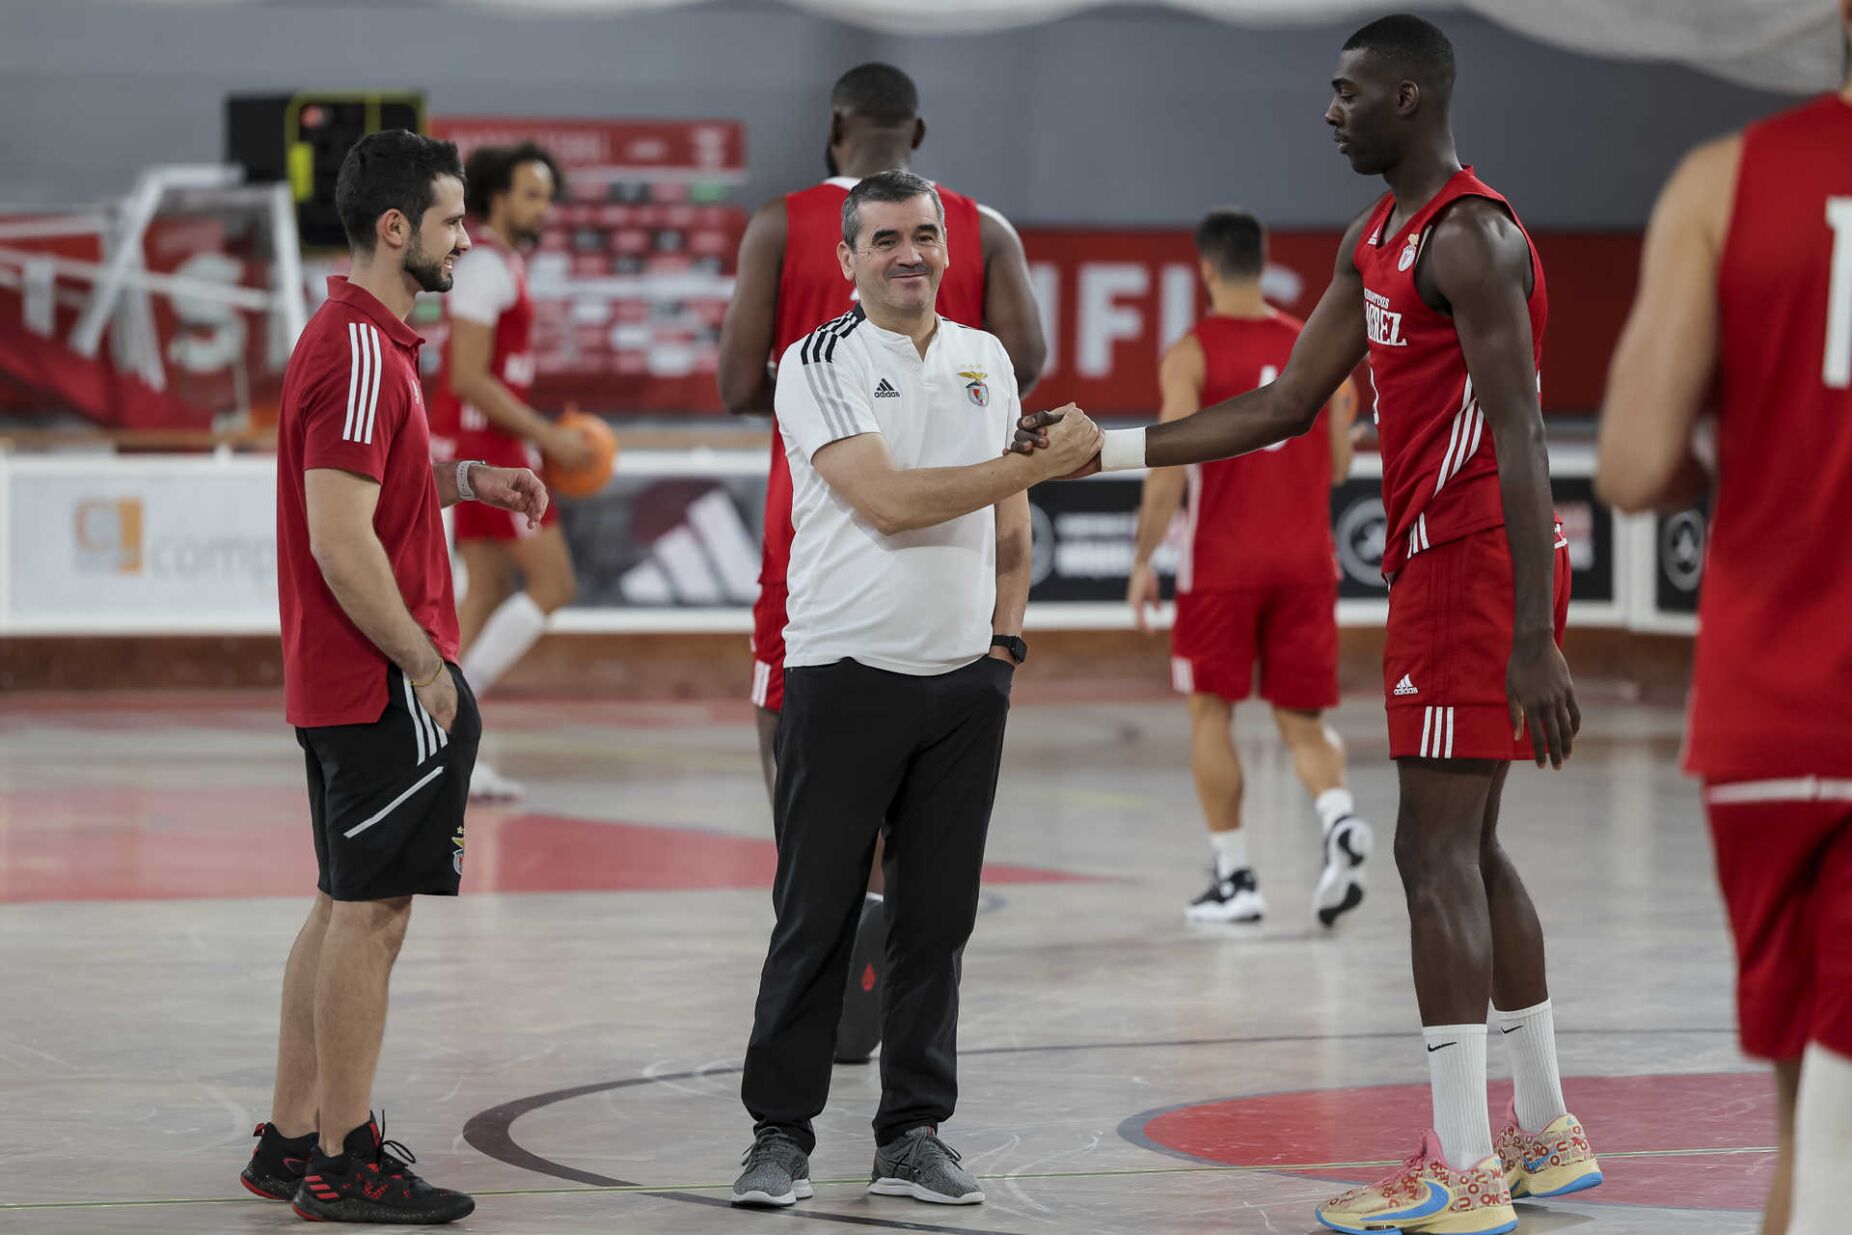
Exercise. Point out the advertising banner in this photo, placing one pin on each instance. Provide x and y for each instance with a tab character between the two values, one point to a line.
157	544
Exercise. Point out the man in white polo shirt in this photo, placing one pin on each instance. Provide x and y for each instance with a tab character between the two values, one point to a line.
908	579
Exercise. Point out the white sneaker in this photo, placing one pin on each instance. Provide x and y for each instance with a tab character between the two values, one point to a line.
488	785
1234	899
1340	886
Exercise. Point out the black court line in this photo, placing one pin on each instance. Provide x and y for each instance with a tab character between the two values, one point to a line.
491	1132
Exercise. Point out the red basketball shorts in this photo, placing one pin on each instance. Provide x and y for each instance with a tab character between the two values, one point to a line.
1448	645
1289	631
768	647
1784	858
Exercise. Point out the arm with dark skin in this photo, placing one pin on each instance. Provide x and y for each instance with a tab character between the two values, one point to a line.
1332	344
1477	266
1009	299
746	333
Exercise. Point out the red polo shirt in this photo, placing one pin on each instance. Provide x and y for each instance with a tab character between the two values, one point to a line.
351	401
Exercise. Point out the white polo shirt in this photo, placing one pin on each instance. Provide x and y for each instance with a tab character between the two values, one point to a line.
917	602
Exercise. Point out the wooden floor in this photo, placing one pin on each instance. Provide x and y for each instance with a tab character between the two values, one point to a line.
566	1037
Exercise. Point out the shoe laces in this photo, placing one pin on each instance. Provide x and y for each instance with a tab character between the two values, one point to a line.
394	1158
765	1145
929	1144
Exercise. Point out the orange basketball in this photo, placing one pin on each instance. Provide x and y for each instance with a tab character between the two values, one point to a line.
589	479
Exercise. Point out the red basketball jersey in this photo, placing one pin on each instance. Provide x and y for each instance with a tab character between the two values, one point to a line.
1261	519
1773	670
1440	473
490	288
811	291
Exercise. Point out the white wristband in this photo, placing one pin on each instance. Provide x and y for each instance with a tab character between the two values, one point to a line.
465	492
1123	450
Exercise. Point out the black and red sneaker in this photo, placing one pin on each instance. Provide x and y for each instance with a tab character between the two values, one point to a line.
372	1181
277	1164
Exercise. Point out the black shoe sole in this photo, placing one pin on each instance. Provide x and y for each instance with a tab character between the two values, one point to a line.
268	1187
1353	897
350	1210
858	1033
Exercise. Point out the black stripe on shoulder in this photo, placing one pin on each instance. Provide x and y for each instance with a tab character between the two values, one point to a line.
820	344
849	321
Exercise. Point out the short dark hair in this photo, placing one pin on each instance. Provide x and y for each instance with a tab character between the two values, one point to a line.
878	93
1233	241
1418	49
390	170
891	186
490	170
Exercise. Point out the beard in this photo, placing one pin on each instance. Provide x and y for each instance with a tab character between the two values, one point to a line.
426	270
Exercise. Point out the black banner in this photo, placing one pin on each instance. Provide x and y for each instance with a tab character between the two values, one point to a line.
1678	559
688	541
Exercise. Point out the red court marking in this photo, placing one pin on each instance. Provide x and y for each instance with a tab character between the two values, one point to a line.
129	844
1623	1114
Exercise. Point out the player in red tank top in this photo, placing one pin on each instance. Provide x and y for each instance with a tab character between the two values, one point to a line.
790	282
1745	306
1435	295
1256	580
480	408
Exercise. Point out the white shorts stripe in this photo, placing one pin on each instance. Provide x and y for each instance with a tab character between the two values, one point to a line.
1789	789
1448	753
761	682
1427	725
393	805
1182	675
414	711
431	732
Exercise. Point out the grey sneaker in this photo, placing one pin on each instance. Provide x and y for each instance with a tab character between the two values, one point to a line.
777	1171
920	1165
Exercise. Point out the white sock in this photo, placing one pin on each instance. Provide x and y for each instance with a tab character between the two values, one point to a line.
1822	1141
504	639
1456	1070
1333	805
1231	851
1530	1037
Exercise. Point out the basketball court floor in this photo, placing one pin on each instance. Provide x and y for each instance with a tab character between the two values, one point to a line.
566	1037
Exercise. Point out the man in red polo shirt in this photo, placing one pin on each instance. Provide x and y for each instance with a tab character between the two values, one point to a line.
387	724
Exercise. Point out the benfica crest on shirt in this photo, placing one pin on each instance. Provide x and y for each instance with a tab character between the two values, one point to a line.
975	387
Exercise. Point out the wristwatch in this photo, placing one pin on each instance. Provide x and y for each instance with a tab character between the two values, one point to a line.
465	491
1013	644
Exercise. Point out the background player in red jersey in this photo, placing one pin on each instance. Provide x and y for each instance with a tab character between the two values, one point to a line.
1257	579
387	725
481	410
1745	304
790	282
1440	287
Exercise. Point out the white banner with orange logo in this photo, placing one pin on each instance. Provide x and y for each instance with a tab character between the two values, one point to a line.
101	544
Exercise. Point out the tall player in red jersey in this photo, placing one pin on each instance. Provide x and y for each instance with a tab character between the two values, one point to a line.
790	282
1440	287
480	410
1745	307
1257	580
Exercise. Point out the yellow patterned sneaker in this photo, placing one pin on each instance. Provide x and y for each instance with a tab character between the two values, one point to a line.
1553	1162
1427	1196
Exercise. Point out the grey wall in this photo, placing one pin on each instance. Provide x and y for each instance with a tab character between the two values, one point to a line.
1118	117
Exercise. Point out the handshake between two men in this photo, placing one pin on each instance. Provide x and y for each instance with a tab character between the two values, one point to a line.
1069	437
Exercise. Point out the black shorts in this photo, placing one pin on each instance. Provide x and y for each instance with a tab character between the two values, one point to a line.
386	799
